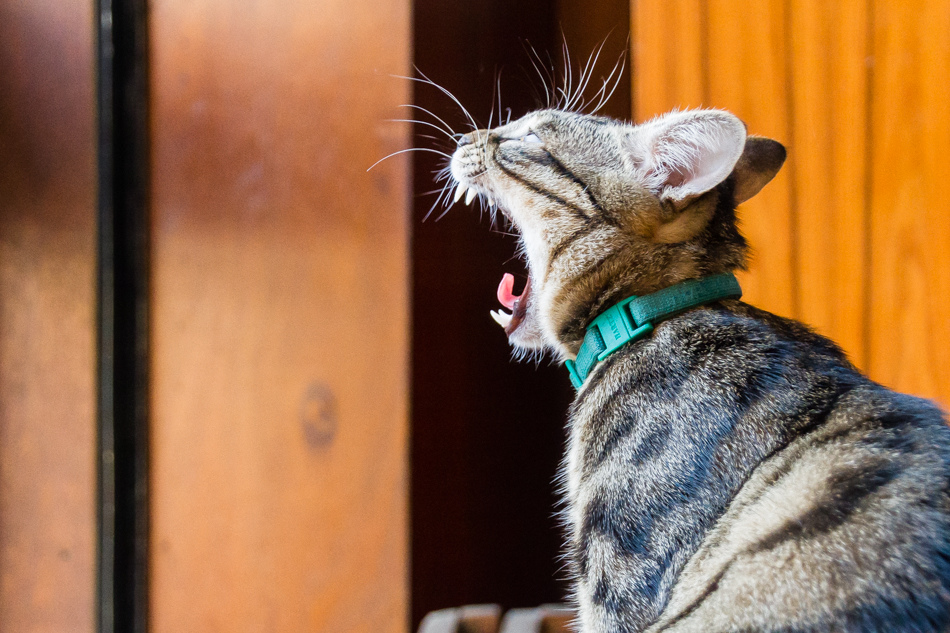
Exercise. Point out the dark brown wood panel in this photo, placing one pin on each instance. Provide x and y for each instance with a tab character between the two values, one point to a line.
47	312
280	316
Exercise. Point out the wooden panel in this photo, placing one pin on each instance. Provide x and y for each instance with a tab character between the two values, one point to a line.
668	56
279	316
47	309
747	76
910	313
604	27
827	162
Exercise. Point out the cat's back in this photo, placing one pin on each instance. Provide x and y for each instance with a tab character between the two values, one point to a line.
749	478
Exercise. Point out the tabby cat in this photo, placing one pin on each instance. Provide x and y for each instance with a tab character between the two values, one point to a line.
731	470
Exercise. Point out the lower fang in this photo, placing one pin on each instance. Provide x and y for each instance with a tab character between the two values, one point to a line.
501	317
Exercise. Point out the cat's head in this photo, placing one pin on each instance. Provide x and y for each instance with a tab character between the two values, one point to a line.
607	209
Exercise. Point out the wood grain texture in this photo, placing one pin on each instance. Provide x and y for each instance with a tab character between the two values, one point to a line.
47	311
280	317
828	46
910	219
668	50
747	68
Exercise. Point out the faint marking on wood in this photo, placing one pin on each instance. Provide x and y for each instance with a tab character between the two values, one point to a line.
318	415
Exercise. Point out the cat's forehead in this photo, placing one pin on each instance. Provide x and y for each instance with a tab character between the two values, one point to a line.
554	120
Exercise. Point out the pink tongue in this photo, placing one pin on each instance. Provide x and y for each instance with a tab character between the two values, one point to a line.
505	295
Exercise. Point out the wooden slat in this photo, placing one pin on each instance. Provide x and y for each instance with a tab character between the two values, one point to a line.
829	48
280	316
668	50
747	76
47	312
910	219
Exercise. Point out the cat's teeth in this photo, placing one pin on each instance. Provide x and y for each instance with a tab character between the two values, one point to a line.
491	202
459	191
470	196
501	317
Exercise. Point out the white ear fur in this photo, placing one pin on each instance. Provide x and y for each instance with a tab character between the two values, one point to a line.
681	155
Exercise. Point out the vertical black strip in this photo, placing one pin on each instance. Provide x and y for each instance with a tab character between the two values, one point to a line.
122	316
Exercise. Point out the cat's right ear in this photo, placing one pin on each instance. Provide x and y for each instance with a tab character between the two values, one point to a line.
760	161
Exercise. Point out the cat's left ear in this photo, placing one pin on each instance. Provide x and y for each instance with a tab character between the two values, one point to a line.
682	155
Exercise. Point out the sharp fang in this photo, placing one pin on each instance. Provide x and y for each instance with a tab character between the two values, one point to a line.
470	196
501	317
491	202
459	191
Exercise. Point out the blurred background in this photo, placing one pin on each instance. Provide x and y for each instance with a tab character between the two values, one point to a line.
245	387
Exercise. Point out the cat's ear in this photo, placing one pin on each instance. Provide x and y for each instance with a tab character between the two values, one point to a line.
682	155
760	161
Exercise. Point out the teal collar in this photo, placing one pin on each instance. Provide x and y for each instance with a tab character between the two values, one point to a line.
634	317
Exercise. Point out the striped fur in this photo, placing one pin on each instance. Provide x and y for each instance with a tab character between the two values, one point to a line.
732	472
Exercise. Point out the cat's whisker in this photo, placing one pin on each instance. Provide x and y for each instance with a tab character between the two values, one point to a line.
448	128
532	56
442	198
568	70
605	97
498	94
586	74
410	149
426	123
446	92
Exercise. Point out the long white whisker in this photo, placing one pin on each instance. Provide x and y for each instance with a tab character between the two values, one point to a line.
432	125
587	74
410	149
568	71
532	55
448	128
445	189
445	91
605	98
498	84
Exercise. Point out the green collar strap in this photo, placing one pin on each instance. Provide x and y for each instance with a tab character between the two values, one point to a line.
634	318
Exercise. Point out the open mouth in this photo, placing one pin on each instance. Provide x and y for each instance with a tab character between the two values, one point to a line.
518	304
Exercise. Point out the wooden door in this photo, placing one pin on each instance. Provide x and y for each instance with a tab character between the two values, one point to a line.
47	316
279	316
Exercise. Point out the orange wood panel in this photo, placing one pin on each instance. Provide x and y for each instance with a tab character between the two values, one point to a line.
829	48
280	318
47	317
910	218
669	70
747	68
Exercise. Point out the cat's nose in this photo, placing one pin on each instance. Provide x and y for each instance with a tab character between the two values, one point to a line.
464	140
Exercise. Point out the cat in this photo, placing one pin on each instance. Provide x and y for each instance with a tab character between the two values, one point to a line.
729	470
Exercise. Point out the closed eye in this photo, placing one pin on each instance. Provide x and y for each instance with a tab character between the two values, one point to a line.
532	138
